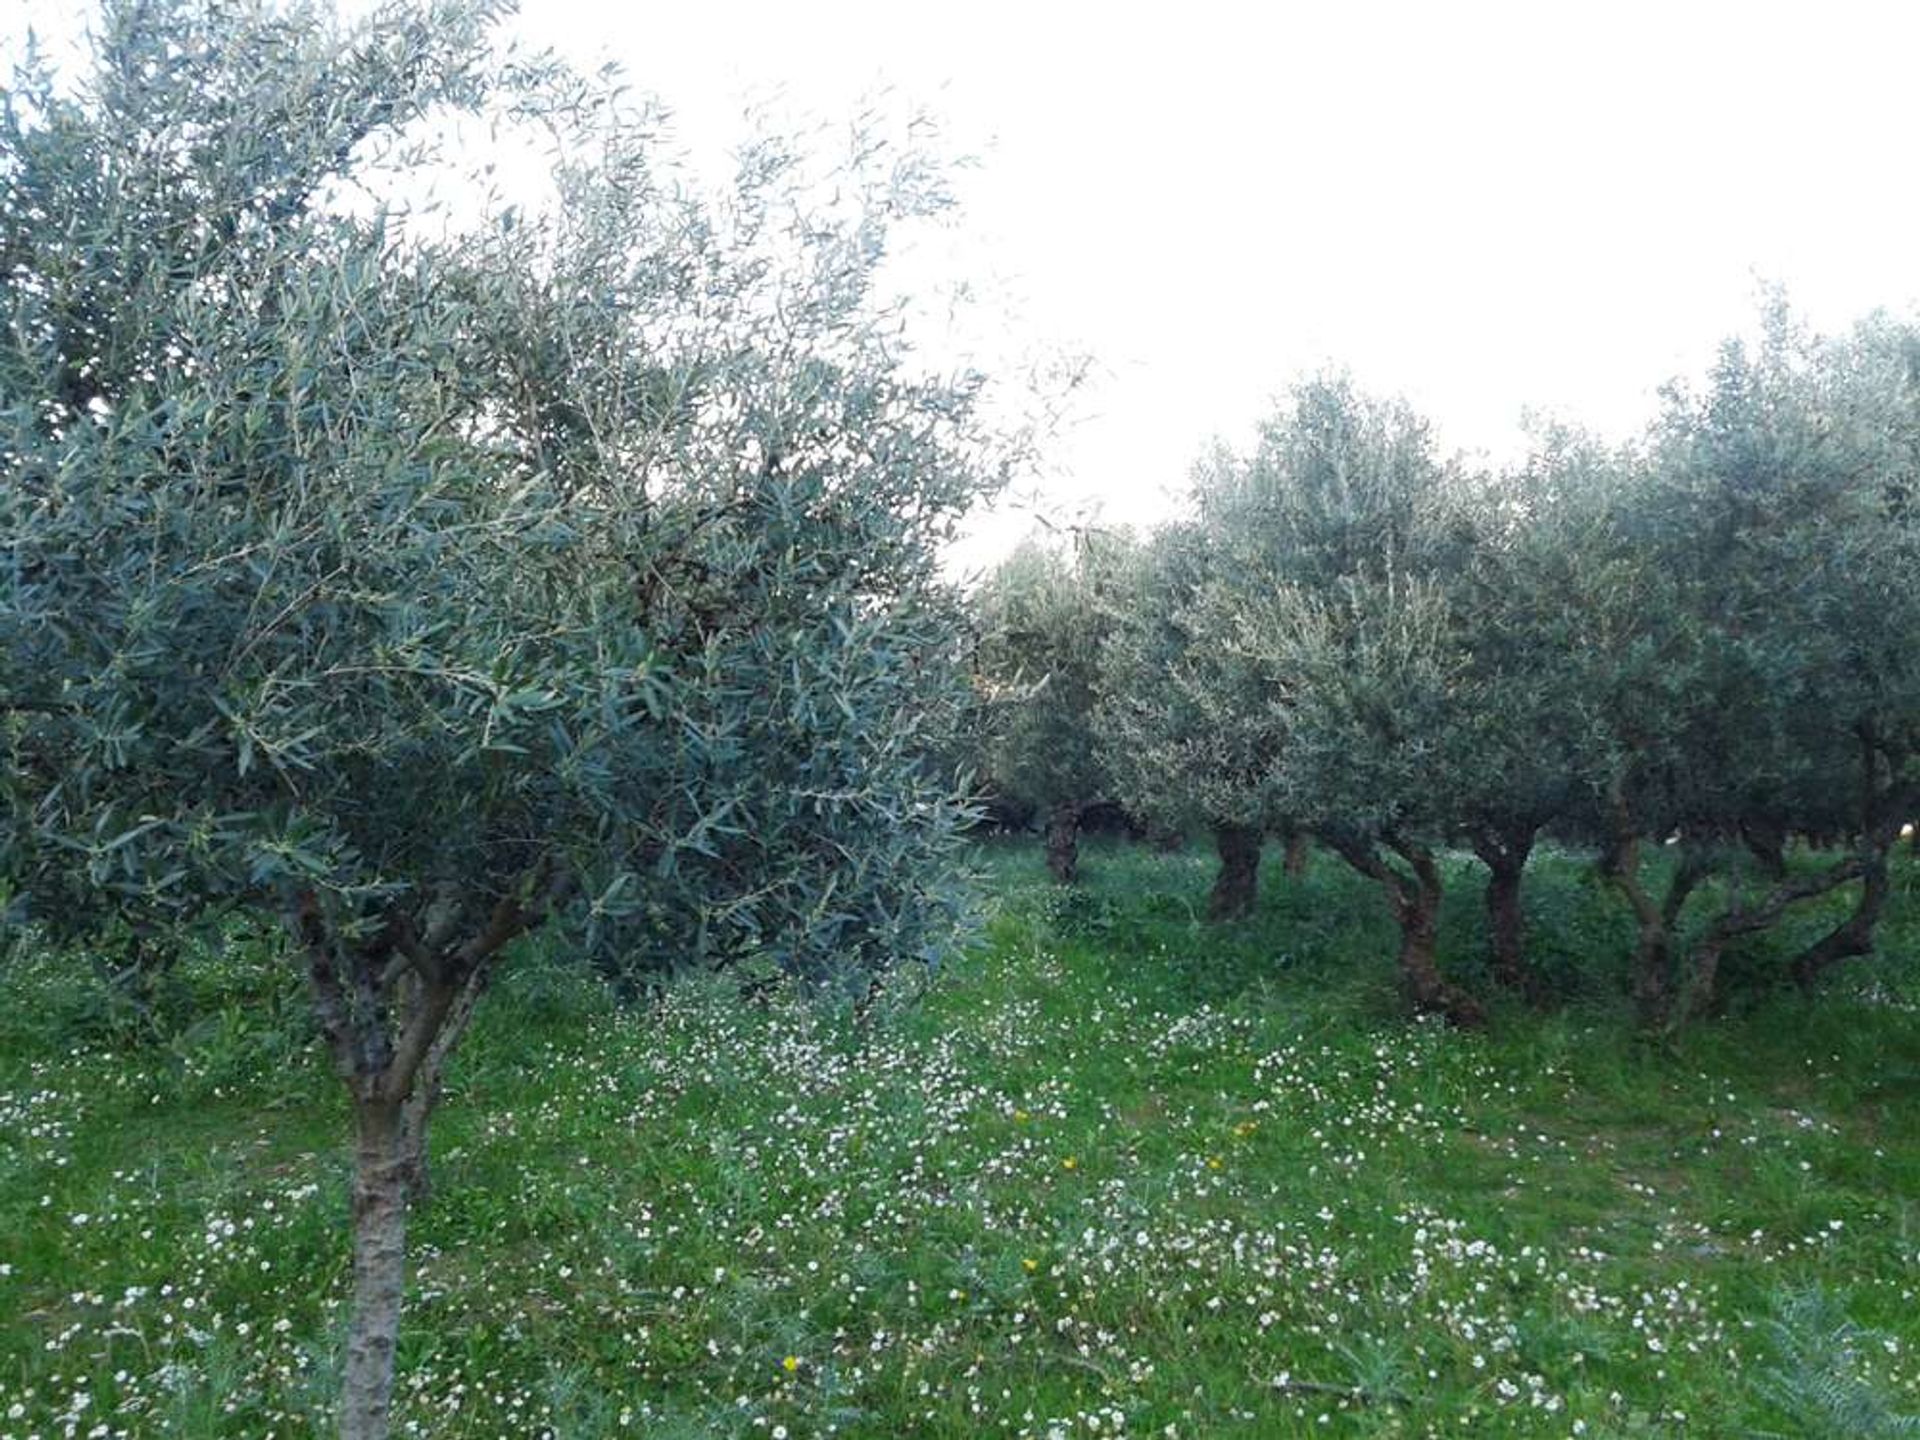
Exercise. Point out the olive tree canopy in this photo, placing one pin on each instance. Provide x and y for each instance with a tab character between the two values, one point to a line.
1042	629
419	580
1752	663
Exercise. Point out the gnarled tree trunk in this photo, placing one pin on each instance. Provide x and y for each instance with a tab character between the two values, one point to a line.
1063	842
1741	919
1884	804
1237	885
1418	910
1651	980
1505	856
1854	935
1415	899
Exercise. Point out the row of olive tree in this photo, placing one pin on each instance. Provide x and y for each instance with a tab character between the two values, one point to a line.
1701	639
423	583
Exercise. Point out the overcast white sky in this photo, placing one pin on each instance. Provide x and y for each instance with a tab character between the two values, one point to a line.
1483	206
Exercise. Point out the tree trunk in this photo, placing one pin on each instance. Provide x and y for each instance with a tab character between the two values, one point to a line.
1852	936
1505	857
1651	984
392	1008
1237	885
1506	924
1741	919
1651	980
1418	911
1296	861
381	1181
1063	842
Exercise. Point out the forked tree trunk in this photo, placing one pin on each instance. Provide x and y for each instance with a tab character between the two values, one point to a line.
392	1008
1237	886
1741	919
1882	814
1885	802
1652	980
1418	908
1063	842
1852	936
1415	899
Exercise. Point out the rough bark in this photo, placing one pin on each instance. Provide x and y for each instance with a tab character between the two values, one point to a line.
1419	916
1415	898
1505	856
1237	886
1652	979
380	1194
1852	936
1063	842
1883	809
1741	919
392	1008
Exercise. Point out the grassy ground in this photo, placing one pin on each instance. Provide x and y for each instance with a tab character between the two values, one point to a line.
1113	1173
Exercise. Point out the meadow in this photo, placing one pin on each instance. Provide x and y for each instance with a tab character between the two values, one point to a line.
1110	1172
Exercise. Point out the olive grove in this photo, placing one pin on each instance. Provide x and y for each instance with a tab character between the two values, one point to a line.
1688	657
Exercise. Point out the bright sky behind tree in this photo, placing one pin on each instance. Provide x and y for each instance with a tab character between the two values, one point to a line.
1486	207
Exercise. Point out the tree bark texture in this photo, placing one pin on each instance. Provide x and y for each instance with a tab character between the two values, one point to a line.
1418	909
1415	896
1652	980
392	1007
1236	887
381	1185
1740	919
1505	857
1506	925
1854	935
1063	842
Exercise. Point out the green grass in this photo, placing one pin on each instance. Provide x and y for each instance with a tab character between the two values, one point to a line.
1114	1172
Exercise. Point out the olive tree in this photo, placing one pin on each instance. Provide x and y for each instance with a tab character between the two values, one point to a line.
1520	744
1042	629
1753	670
1187	717
1330	528
419	584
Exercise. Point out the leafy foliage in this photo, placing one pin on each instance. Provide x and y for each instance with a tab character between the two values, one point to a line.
1042	631
352	559
419	580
